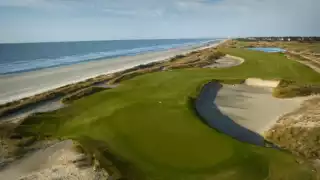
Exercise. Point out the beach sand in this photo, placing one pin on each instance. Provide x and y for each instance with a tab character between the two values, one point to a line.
21	85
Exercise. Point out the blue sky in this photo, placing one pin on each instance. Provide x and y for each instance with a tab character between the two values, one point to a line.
73	20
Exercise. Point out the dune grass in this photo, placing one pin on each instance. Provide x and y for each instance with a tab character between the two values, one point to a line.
289	89
146	129
81	93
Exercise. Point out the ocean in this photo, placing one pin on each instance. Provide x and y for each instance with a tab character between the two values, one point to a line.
23	57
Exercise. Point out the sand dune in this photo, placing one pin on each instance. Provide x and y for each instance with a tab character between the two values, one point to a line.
58	161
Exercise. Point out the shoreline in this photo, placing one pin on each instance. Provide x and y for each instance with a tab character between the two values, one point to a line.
133	53
22	85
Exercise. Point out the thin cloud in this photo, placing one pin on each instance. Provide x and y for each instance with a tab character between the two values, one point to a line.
124	19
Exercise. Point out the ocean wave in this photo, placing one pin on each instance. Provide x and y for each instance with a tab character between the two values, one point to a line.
24	66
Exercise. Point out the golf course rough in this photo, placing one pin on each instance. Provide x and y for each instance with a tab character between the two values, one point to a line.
149	124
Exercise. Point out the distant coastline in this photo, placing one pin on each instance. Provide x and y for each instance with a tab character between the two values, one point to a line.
26	57
21	85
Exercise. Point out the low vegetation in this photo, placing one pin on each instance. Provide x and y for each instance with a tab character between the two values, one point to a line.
193	60
299	131
14	146
289	89
145	129
82	93
177	57
133	74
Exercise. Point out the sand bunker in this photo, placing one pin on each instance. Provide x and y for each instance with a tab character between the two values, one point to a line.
243	111
226	61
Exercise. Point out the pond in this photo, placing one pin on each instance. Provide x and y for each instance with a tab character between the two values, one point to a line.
267	49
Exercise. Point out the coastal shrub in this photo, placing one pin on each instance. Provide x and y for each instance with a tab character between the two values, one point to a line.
299	131
198	62
214	56
177	57
139	67
181	66
125	77
194	52
192	60
289	89
131	75
81	93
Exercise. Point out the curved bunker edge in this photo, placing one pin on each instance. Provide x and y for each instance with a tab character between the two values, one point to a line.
243	111
211	114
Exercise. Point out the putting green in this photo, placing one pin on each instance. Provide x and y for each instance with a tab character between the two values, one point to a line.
149	123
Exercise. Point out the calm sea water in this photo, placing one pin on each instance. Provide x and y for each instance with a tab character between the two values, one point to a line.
23	57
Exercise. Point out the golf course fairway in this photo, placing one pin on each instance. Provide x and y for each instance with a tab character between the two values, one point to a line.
148	129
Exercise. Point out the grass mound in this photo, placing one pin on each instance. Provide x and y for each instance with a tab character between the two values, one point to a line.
147	129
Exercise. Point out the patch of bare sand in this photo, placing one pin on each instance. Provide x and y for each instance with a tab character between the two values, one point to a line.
261	82
58	161
226	61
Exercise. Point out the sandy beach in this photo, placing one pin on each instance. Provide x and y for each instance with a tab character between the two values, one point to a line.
17	86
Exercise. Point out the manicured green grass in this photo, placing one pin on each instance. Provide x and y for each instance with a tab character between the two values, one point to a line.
150	128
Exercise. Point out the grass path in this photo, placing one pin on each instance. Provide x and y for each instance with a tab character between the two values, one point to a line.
148	126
